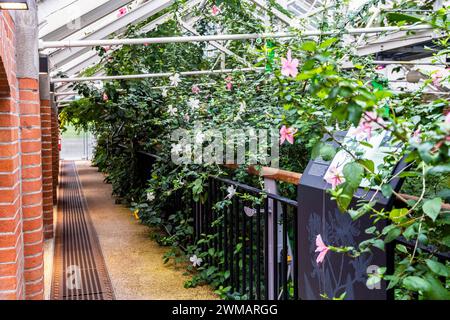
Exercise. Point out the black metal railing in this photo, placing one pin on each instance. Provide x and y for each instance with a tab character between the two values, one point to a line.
253	235
251	230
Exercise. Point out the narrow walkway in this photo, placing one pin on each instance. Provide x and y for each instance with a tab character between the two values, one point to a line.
134	261
79	270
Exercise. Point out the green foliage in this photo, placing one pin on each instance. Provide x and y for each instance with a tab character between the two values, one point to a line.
130	116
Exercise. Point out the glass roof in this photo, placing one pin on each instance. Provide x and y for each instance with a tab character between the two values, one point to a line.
99	19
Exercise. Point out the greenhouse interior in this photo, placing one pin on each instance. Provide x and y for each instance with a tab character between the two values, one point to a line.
256	150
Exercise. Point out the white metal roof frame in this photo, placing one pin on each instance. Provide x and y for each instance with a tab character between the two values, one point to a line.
73	54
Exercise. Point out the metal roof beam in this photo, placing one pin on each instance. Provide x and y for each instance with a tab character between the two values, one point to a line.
281	16
87	59
397	40
139	14
77	17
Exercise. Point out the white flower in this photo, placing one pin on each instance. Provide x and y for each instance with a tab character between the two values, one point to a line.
196	261
194	104
199	138
186	117
231	192
242	106
164	92
175	80
176	148
172	111
150	196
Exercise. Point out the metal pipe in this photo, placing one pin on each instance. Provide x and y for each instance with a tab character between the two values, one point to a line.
222	37
155	75
71	93
418	63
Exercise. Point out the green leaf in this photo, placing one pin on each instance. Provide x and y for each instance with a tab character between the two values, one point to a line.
400	17
397	215
371	230
432	208
379	244
386	189
309	46
440	169
415	283
437	291
368	164
438	268
392	235
353	173
446	240
326	43
327	152
401	248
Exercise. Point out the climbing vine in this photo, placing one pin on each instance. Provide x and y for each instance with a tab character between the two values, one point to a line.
307	92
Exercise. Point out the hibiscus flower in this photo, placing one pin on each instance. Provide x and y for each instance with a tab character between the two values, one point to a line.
289	66
322	248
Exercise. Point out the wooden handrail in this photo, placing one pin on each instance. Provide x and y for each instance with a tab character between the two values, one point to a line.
272	173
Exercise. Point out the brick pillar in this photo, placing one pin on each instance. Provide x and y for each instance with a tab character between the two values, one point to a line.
26	44
55	151
11	236
30	123
47	167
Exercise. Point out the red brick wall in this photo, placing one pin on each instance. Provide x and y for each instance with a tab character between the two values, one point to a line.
47	167
11	234
55	152
30	122
21	217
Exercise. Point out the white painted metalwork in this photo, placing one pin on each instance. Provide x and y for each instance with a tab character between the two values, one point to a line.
155	75
222	37
141	13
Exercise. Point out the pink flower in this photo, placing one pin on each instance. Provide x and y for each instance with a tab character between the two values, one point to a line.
215	10
380	67
367	124
105	97
371	116
122	11
289	66
364	130
107	48
195	89
416	136
287	134
437	78
229	84
322	248
334	177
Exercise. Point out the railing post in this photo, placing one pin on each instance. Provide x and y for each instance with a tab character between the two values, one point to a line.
270	186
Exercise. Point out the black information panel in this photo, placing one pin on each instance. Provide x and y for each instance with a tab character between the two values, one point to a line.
319	215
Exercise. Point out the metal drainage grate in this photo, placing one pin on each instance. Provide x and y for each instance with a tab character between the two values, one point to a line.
79	270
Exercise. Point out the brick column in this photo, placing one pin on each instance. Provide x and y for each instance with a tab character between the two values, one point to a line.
30	122
55	151
47	161
11	237
30	135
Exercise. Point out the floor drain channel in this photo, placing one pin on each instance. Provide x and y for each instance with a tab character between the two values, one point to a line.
79	271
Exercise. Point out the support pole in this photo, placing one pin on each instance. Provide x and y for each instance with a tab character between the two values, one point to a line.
223	37
156	75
